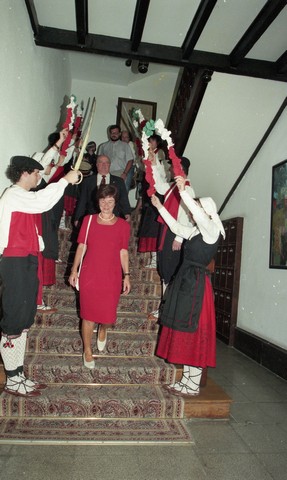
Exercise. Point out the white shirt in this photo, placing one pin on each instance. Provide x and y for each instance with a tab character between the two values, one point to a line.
99	179
162	186
204	224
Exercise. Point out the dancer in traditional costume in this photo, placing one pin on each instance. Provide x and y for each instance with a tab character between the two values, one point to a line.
20	244
169	245
187	316
149	227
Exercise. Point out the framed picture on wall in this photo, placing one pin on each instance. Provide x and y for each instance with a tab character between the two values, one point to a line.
124	109
278	235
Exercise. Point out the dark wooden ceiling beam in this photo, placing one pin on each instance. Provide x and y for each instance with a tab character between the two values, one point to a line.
282	63
154	53
197	25
140	15
81	7
33	16
266	16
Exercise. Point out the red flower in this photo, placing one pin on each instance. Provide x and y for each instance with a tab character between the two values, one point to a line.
149	177
176	163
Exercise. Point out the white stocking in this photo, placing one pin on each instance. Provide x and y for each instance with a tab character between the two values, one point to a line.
22	349
190	381
13	351
11	354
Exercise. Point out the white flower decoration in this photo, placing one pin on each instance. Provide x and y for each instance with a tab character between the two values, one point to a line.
163	132
145	144
141	117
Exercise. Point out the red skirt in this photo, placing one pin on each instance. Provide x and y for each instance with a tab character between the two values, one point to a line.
49	271
147	244
69	204
198	348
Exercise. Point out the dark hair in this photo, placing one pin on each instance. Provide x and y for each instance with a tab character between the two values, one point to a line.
14	173
111	127
91	144
185	163
53	138
107	191
157	138
161	144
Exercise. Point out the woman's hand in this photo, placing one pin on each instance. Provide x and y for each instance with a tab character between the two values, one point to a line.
73	278
156	202
126	285
180	182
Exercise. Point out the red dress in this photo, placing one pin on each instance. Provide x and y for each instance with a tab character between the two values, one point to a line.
101	274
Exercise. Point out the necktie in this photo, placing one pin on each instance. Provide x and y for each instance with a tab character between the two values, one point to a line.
103	181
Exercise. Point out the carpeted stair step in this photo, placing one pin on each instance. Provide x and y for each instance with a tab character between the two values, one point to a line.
104	401
118	344
42	431
67	253
62	369
129	303
68	319
139	288
122	399
138	275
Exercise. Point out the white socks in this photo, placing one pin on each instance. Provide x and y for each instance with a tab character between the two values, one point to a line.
152	261
190	381
13	352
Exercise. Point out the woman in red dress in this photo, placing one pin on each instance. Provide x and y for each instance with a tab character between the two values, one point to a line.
103	244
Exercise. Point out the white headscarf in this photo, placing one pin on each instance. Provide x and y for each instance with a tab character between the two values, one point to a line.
209	206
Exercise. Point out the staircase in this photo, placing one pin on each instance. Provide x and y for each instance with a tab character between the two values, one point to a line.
122	399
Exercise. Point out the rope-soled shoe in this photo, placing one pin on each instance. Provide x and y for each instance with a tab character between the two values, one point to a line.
19	388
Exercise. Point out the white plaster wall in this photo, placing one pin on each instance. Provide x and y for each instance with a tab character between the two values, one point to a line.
263	291
157	88
34	82
234	115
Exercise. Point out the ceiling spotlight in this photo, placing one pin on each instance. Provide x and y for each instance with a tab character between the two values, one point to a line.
206	76
128	62
143	67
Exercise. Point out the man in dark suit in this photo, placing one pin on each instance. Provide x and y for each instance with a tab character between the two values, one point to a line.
87	200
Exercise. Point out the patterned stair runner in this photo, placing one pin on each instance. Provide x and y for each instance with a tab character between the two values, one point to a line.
122	399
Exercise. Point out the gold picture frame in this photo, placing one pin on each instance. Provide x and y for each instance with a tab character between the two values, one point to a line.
126	105
278	234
